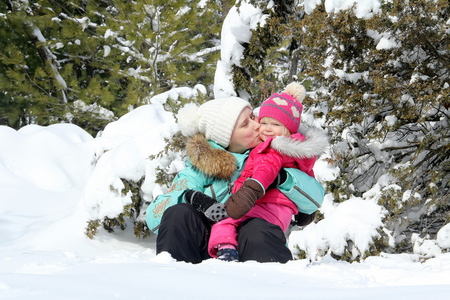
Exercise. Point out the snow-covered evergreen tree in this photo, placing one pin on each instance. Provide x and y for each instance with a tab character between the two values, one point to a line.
384	80
271	56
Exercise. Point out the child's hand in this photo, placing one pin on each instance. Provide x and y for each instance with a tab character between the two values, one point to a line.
302	219
279	180
244	199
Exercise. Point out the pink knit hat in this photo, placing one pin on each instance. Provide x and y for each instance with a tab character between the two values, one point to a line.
285	107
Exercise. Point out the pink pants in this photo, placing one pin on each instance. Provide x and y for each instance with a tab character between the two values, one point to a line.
225	232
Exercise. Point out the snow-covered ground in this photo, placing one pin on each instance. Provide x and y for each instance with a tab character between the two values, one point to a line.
45	173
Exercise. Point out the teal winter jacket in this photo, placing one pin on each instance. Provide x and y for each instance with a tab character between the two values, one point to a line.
212	170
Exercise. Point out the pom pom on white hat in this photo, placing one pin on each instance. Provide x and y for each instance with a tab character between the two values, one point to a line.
215	118
188	119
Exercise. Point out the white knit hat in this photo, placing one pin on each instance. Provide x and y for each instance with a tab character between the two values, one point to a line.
215	118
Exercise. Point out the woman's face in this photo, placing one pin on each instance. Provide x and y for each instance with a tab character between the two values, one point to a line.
245	133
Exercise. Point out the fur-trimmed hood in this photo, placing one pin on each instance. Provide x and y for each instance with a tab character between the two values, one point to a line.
215	161
315	143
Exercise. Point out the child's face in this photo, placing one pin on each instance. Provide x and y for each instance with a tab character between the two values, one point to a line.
271	128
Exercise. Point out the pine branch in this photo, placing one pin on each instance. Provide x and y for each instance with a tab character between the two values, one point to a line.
9	4
47	57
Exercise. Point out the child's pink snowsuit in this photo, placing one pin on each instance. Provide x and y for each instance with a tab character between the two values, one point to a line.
263	164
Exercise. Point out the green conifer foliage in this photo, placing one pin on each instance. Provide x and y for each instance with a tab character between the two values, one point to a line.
181	49
271	57
89	62
27	80
386	83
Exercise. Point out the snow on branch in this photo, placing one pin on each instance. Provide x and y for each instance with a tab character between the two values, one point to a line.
46	55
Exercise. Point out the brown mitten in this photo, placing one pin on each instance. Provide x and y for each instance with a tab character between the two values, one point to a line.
244	199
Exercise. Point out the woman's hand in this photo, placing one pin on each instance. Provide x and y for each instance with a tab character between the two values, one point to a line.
213	210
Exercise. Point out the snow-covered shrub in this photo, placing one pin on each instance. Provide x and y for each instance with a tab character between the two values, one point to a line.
349	231
138	155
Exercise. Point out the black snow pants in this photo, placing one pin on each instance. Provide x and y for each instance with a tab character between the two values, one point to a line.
184	233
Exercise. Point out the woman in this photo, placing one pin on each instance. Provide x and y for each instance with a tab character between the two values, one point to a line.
221	133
